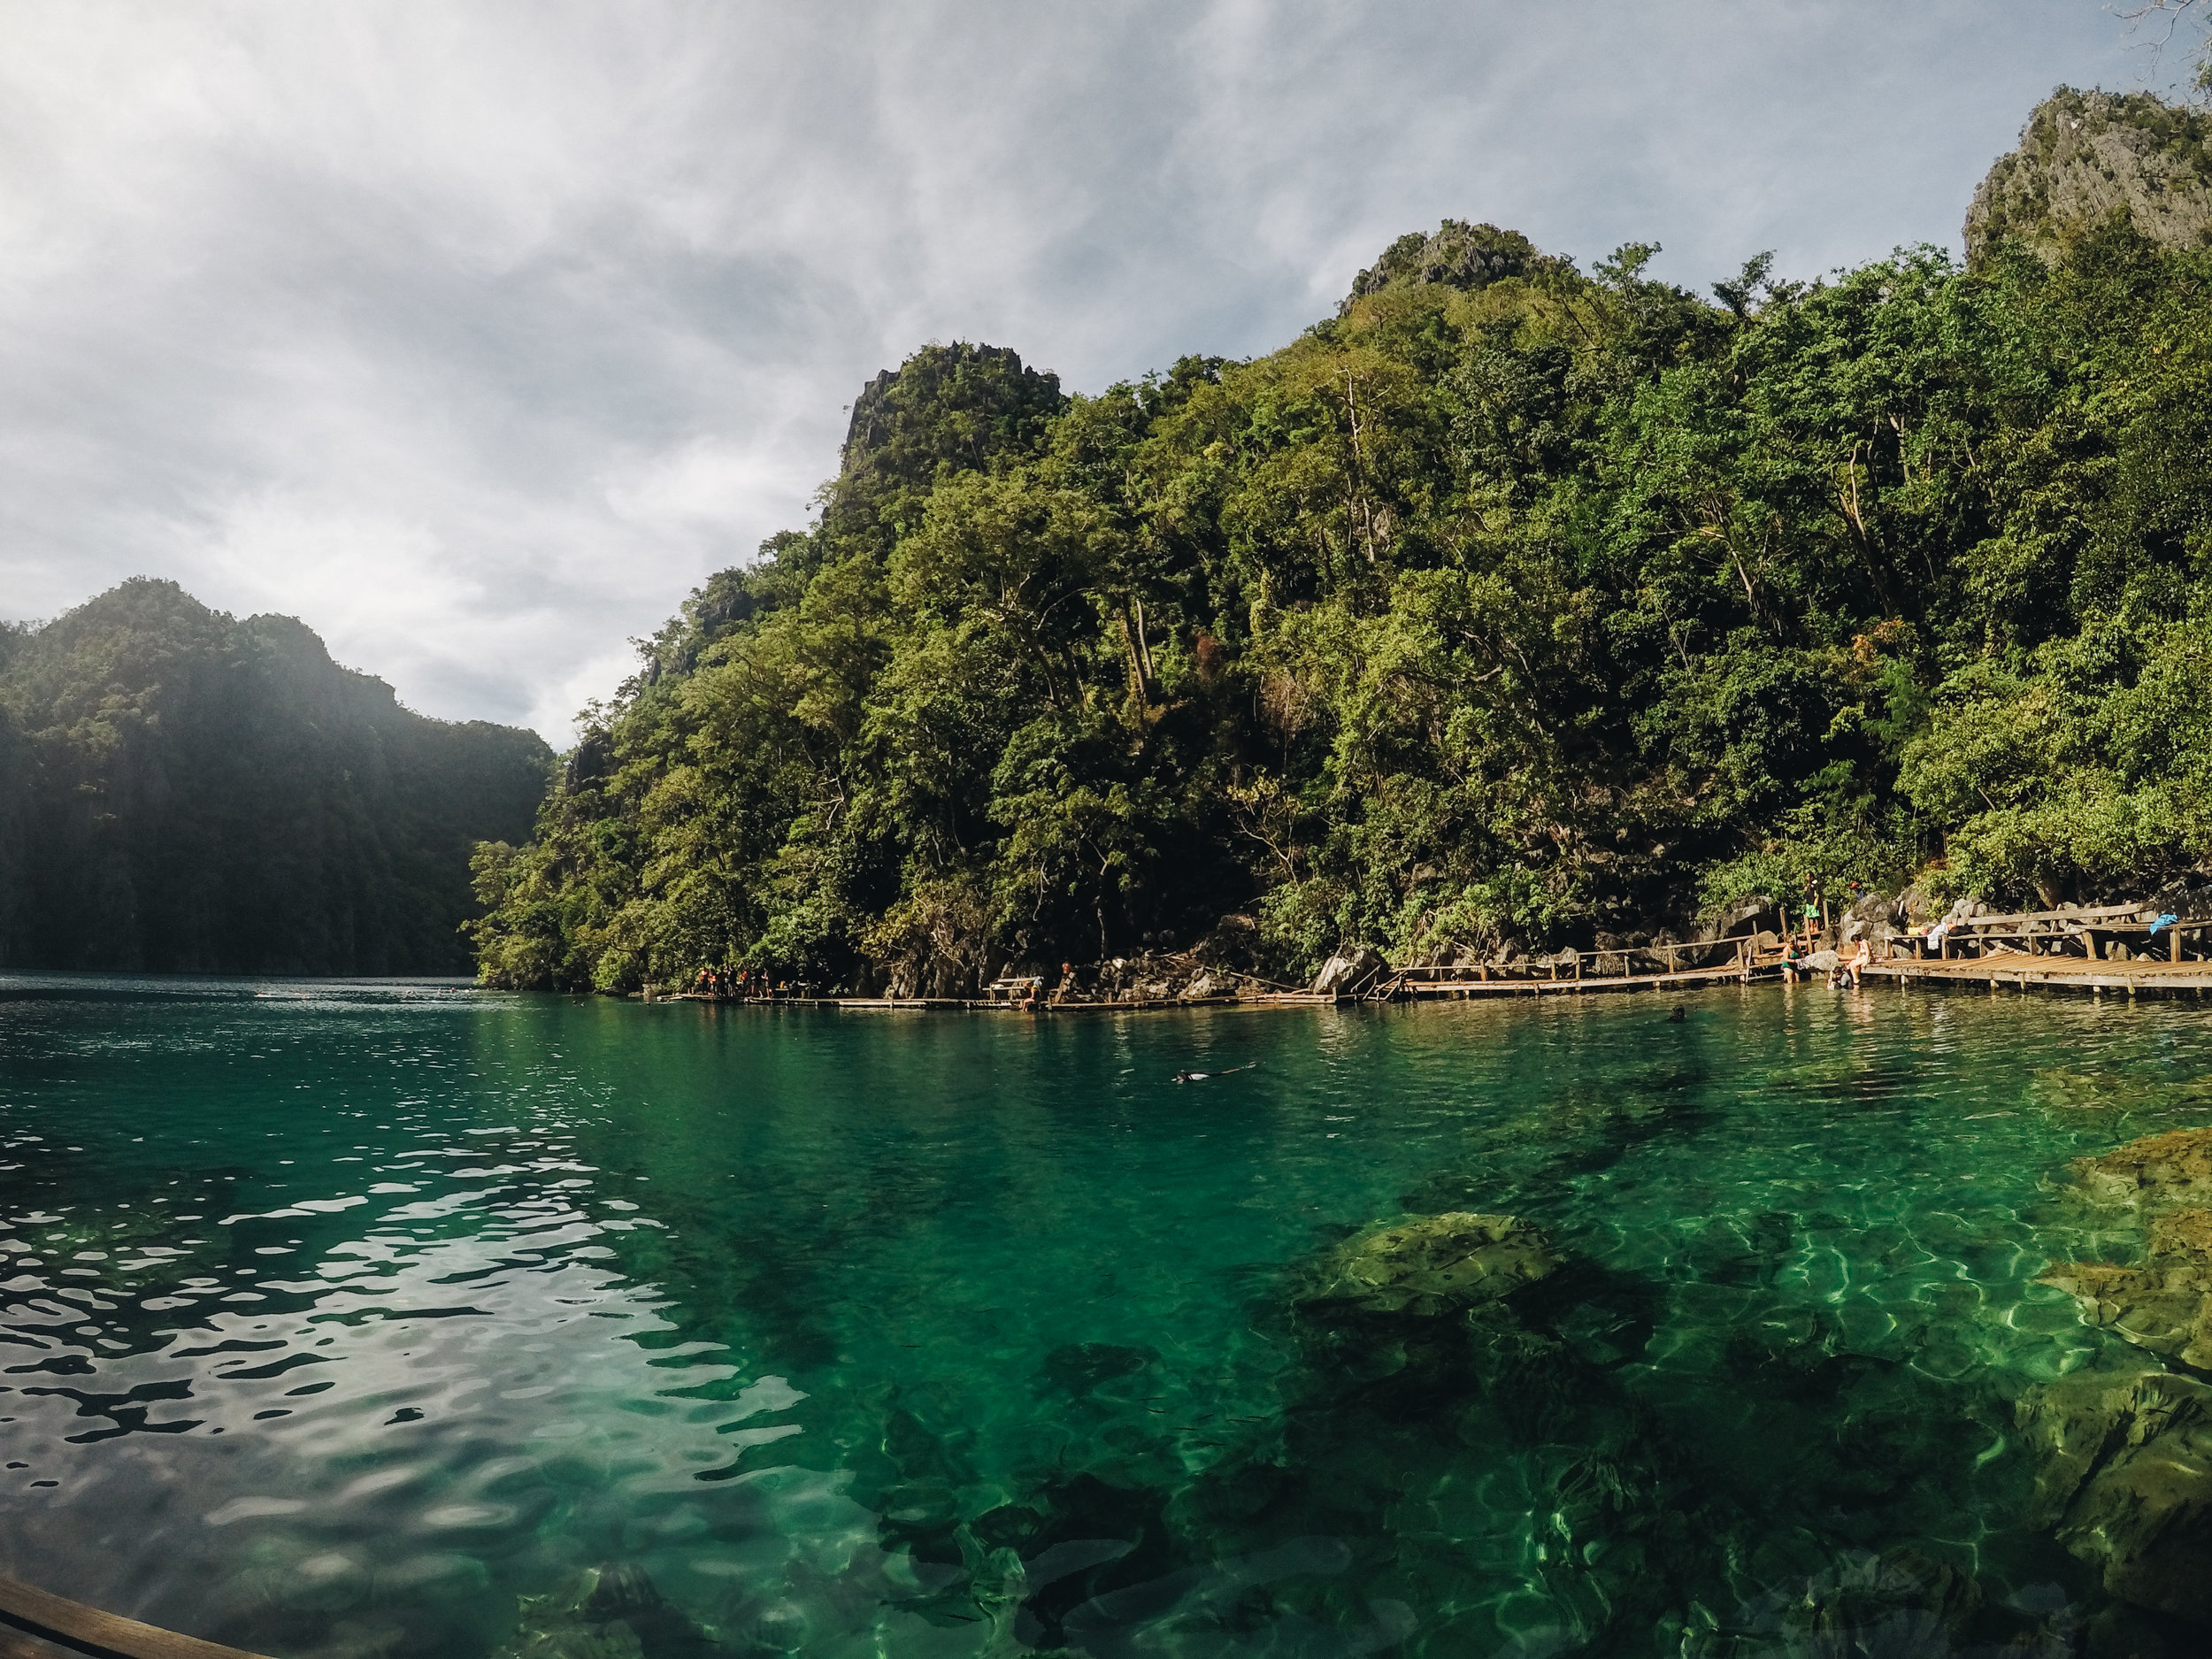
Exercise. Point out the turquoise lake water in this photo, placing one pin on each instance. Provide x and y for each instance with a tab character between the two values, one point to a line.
338	1317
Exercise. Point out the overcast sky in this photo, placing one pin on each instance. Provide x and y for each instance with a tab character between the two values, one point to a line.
476	334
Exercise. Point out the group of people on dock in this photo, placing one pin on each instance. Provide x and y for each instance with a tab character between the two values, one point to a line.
738	985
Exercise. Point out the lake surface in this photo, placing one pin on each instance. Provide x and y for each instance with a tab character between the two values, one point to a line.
338	1318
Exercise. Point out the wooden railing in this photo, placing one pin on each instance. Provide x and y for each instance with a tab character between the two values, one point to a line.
2060	928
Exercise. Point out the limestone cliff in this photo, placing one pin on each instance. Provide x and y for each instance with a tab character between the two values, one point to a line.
2088	159
1459	254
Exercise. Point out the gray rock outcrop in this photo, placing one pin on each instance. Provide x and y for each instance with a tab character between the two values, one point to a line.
1347	972
2087	159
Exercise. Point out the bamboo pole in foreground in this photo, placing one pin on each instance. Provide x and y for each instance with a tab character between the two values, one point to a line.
87	1629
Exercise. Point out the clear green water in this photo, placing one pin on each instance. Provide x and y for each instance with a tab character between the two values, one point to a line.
337	1317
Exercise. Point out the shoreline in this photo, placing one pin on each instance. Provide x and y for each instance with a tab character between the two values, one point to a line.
2001	971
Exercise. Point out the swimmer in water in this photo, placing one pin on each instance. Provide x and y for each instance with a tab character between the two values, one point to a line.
1199	1077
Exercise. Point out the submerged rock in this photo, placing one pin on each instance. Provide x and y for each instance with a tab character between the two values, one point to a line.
2174	1168
1904	1601
2089	1091
608	1612
1436	1264
2166	1304
2127	1481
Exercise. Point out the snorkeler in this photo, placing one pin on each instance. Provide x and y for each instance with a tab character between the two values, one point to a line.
1199	1077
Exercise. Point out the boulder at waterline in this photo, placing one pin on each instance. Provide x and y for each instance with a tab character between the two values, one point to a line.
1348	972
2127	1481
2166	1304
1436	1264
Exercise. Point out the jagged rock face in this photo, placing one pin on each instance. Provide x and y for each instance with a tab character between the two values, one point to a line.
2124	1481
1434	1265
1459	254
2087	159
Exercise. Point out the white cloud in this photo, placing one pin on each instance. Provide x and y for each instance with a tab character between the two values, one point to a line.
476	334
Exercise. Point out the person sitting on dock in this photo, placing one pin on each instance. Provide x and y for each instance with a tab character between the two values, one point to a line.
1857	961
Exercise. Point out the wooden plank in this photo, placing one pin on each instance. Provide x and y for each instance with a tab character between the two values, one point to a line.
87	1629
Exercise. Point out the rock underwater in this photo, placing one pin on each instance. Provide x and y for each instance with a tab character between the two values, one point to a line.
2171	1168
2166	1304
609	1612
2125	1481
1434	1265
2127	1475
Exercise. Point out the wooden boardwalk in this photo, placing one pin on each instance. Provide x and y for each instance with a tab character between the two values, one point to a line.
1595	972
2016	970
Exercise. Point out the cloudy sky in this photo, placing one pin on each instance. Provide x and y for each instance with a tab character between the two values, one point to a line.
475	335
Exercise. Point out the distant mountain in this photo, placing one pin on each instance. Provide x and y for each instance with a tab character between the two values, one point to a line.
182	791
2088	159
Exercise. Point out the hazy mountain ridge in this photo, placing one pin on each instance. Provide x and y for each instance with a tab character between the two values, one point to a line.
183	791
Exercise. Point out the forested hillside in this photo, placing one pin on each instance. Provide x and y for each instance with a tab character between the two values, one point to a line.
1514	604
183	792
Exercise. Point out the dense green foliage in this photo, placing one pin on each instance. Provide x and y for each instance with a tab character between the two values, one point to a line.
183	792
1512	605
